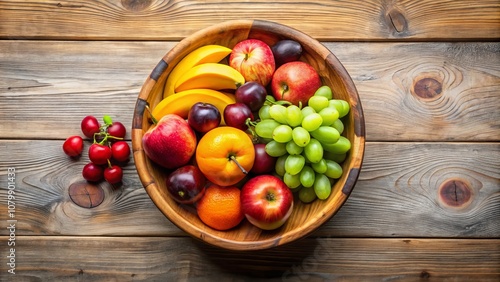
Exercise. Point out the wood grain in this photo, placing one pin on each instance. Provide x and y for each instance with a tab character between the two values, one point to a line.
50	258
322	19
50	86
393	193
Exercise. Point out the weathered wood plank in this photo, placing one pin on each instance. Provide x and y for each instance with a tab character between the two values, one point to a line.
51	258
51	86
393	197
325	20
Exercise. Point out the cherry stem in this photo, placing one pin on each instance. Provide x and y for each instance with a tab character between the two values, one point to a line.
155	121
109	164
233	158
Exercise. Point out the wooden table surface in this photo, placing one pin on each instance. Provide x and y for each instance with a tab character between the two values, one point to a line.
427	203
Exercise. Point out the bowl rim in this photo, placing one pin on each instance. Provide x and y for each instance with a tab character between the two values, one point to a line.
149	183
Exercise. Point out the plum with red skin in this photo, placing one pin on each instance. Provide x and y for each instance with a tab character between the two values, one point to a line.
186	184
286	51
263	162
252	94
204	117
237	114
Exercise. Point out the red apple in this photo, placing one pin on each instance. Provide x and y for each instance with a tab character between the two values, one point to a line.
171	142
254	59
266	201
295	82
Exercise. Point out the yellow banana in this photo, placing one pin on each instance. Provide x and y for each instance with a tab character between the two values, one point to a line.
204	54
210	76
181	102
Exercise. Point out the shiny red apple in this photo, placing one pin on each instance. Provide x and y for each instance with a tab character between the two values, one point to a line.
254	59
295	82
266	201
171	142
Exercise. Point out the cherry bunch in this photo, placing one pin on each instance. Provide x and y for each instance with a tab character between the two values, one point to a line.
107	153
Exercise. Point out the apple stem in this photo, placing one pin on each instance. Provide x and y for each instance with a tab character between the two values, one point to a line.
155	121
233	158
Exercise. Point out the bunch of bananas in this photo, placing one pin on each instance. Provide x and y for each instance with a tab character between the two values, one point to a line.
199	77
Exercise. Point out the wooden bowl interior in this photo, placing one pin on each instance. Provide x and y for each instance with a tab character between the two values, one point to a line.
305	217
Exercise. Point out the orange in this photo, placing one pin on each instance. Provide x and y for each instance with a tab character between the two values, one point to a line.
220	207
223	154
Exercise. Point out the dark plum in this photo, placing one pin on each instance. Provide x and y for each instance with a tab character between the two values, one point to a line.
204	117
237	114
252	94
186	184
263	162
286	51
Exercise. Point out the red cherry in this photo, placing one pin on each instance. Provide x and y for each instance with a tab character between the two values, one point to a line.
113	174
90	126
120	151
117	129
99	154
73	146
92	172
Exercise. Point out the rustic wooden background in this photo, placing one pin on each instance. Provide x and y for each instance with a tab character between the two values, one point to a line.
428	75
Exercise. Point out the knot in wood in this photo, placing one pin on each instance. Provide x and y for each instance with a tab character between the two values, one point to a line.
455	193
427	88
136	5
85	194
396	21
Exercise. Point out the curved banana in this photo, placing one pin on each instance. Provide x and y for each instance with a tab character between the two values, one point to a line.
181	102
204	54
210	76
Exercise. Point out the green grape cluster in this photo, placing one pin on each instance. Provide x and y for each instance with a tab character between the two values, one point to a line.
307	142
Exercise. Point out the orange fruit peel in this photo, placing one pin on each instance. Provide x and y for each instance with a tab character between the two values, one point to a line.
225	155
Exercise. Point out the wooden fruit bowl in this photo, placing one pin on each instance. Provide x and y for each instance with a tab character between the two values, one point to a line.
306	217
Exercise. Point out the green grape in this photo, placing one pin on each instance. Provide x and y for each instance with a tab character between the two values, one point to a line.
293	149
275	149
307	176
339	125
282	133
338	158
320	167
293	115
329	115
294	164
265	128
334	170
300	136
324	91
269	100
322	186
307	195
326	134
279	167
278	113
264	112
341	105
292	181
318	103
313	151
307	111
312	121
340	147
